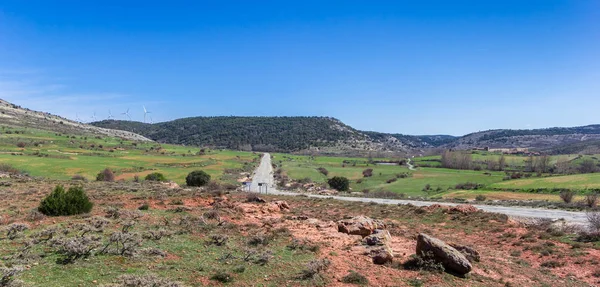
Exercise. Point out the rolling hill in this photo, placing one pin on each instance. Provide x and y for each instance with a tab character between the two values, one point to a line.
12	115
538	139
283	134
324	135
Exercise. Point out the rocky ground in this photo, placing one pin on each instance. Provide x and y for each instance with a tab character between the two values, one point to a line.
323	242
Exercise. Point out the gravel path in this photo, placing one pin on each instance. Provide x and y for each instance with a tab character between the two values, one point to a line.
264	174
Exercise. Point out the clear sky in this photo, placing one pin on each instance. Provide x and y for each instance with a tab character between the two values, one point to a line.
413	67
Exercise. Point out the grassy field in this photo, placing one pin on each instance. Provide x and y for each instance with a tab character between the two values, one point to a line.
60	157
577	181
300	167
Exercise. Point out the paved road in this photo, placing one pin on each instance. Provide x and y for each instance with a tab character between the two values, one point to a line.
410	166
264	173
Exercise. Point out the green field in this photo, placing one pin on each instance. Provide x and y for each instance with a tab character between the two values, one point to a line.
61	157
576	181
300	167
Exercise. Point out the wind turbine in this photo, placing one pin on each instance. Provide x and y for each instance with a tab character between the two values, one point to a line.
77	117
146	112
127	114
94	116
110	116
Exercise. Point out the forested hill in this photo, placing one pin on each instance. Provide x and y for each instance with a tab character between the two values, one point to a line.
542	139
248	133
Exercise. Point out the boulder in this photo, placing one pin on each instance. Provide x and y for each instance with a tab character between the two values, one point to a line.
282	204
382	255
378	238
471	254
452	259
359	225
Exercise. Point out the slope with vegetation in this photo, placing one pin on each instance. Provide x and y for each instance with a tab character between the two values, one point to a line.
15	116
534	138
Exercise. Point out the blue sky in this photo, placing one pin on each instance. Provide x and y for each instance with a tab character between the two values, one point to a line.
413	67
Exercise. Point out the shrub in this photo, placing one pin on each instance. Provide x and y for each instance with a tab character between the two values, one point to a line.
567	195
106	175
143	281
591	200
21	144
424	262
314	268
367	172
593	220
197	178
144	206
427	187
323	170
355	278
552	264
156	176
7	168
480	198
222	277
7	276
468	185
391	180
59	202
14	230
339	183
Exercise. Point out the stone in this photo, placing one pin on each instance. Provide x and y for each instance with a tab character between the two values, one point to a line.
452	259
379	237
471	254
382	255
359	225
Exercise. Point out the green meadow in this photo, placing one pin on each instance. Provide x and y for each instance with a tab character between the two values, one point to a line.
56	156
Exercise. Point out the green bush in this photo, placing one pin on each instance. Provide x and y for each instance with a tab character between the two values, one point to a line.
60	203
156	176
197	178
105	175
339	183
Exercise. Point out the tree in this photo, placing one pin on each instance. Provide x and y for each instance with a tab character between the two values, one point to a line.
587	166
339	183
197	178
501	163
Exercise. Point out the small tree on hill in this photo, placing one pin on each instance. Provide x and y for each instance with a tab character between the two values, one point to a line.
368	172
59	202
156	176
197	178
339	183
105	175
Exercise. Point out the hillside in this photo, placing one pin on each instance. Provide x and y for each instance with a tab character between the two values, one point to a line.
541	139
284	134
281	134
15	116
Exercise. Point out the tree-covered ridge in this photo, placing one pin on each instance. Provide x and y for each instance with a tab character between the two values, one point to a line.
247	133
585	130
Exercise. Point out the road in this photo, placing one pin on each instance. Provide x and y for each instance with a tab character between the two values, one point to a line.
264	174
410	166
